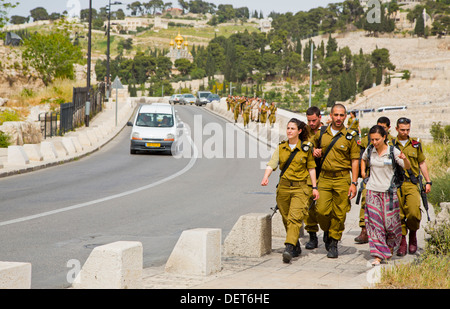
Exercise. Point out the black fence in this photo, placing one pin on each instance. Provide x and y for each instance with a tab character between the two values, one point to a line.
49	124
73	114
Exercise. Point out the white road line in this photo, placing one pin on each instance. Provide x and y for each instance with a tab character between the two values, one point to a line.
108	198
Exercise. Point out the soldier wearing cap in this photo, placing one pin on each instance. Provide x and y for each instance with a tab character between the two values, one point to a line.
409	194
297	183
337	180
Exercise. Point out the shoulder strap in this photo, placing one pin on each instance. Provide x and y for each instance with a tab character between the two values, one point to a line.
335	139
322	131
288	162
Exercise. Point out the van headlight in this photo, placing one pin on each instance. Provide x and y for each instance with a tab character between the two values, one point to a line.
170	137
136	136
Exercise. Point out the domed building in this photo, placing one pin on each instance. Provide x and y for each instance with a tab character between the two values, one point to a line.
179	49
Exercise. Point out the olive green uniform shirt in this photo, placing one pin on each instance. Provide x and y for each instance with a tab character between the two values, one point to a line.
343	152
414	153
302	162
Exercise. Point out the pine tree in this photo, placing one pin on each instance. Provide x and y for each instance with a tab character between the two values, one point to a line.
419	29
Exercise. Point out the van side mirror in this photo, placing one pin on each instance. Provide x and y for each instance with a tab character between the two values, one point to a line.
180	125
129	123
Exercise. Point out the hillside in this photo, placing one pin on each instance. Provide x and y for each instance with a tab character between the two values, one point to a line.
426	93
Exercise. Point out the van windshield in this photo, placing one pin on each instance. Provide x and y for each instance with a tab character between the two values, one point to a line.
154	120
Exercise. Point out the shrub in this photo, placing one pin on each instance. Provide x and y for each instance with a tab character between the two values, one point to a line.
4	140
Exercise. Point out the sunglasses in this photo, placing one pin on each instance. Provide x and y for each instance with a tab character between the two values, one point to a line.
404	120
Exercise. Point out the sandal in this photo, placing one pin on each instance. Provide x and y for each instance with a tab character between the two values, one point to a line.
376	262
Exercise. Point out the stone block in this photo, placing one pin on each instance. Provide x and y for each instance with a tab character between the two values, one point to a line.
197	252
251	236
68	144
48	151
14	275
113	266
34	152
76	143
17	156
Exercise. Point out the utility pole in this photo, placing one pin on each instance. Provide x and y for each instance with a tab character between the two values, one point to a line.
310	72
88	103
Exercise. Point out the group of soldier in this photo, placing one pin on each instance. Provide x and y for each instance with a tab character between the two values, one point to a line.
252	109
337	148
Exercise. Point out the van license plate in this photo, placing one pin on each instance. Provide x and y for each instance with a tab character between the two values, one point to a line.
153	145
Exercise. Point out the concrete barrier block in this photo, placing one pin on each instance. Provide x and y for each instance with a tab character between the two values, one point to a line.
278	229
48	151
197	252
17	155
84	139
14	275
34	152
68	144
113	266
76	143
251	236
92	135
59	147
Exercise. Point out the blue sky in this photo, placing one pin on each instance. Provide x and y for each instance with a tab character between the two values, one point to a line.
266	6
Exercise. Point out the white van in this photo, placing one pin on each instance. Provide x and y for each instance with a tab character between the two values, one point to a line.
154	128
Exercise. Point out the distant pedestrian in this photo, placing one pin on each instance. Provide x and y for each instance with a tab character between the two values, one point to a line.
382	215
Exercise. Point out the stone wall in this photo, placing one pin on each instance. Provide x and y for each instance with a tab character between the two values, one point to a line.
23	132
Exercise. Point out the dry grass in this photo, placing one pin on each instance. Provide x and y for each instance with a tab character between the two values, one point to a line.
431	272
60	91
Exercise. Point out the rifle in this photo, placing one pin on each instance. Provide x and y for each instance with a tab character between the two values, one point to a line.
423	194
274	210
361	188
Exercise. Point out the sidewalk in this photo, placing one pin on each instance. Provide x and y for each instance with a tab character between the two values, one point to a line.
73	145
311	270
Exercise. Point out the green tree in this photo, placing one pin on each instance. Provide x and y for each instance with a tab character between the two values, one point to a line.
51	55
419	28
4	8
39	13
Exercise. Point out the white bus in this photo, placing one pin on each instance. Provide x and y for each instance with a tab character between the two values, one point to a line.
392	108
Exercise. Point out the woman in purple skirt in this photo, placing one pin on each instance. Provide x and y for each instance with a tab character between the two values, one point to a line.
382	216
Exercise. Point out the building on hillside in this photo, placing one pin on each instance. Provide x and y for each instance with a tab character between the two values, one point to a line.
174	11
265	25
179	49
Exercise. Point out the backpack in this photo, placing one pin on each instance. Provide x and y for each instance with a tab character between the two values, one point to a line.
399	173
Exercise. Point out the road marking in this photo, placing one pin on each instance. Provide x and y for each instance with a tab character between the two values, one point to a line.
108	198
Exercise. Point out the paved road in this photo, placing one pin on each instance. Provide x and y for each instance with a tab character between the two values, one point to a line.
112	195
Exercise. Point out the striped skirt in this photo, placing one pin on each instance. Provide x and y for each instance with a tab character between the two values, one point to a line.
383	225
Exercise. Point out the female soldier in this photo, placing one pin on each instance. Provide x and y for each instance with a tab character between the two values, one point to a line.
297	183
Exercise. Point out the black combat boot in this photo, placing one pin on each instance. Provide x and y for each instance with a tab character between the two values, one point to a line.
288	253
326	240
333	250
313	241
297	249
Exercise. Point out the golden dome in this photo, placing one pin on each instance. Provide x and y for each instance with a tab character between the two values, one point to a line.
179	39
171	43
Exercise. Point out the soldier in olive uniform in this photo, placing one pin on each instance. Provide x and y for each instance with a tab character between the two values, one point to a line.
272	115
263	112
297	183
311	224
237	109
246	113
229	102
409	194
336	188
353	122
363	238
